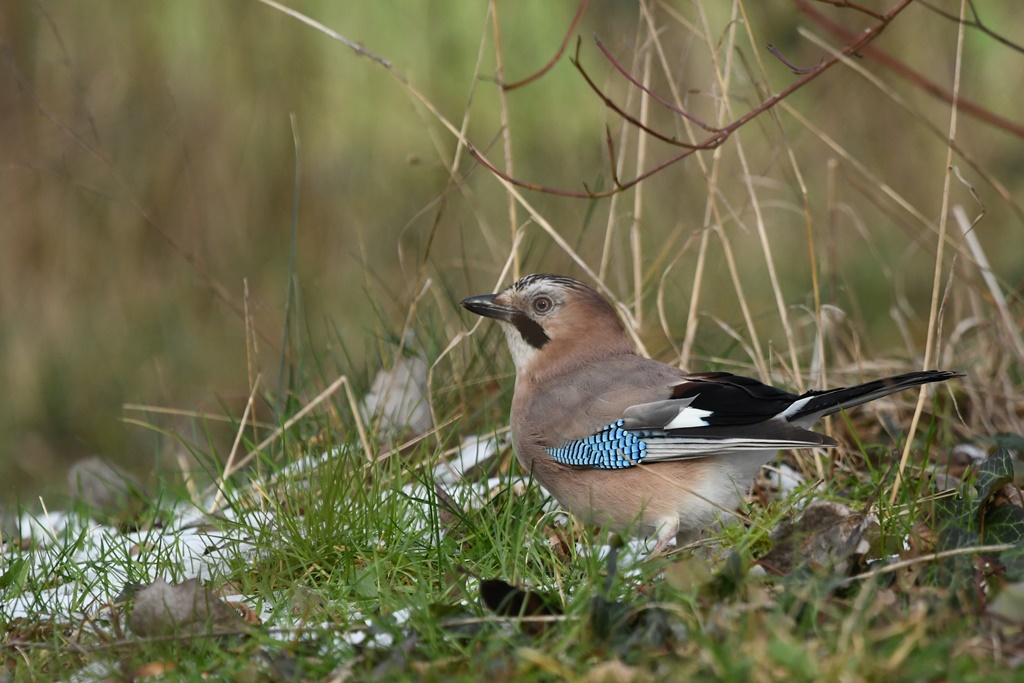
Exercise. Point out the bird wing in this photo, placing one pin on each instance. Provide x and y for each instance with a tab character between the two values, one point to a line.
641	411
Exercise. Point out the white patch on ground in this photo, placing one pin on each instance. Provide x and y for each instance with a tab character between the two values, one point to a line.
474	451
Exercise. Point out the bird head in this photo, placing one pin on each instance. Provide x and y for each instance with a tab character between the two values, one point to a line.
549	319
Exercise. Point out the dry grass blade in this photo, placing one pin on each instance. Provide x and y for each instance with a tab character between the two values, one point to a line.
1010	327
506	128
229	465
354	46
932	557
931	342
294	419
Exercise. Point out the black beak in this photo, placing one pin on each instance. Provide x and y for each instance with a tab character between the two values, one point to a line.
487	306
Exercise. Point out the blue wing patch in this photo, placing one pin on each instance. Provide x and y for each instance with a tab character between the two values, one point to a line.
611	448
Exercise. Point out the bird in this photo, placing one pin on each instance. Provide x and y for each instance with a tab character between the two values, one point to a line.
632	444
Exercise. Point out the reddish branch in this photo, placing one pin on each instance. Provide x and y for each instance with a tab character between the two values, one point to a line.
614	107
651	93
931	87
717	136
558	55
790	65
975	23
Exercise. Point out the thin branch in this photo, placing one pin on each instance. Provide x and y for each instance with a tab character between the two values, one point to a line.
903	564
631	119
719	137
611	155
655	96
561	50
308	21
789	65
929	86
974	23
845	4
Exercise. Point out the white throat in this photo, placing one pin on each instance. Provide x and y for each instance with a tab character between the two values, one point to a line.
522	352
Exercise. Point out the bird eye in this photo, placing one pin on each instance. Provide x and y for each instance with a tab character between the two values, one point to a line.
542	304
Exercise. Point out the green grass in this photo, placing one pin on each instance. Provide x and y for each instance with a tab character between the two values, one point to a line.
363	570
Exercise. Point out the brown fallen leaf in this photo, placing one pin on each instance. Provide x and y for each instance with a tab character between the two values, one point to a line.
1009	604
152	669
248	614
689	573
163	609
826	535
1009	495
615	671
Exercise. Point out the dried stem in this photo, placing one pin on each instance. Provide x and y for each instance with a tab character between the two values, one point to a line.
554	60
933	315
719	136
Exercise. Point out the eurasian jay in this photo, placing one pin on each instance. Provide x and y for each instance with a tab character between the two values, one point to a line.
630	443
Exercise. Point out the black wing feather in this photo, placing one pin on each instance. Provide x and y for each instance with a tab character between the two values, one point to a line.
733	399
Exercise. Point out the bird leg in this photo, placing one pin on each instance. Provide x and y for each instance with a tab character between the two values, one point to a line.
668	530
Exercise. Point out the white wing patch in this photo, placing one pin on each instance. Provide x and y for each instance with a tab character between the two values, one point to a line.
689	417
794	407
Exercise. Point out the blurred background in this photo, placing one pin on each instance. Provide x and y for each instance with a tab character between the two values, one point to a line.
148	158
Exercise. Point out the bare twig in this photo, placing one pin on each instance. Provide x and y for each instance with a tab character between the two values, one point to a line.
845	4
716	138
653	95
929	86
672	140
974	23
955	552
351	44
561	50
789	65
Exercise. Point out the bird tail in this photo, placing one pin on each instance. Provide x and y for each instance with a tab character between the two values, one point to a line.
816	404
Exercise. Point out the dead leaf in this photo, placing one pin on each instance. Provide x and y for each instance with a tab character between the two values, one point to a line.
560	545
615	671
826	535
1009	604
1010	495
688	574
163	609
248	614
397	401
152	669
